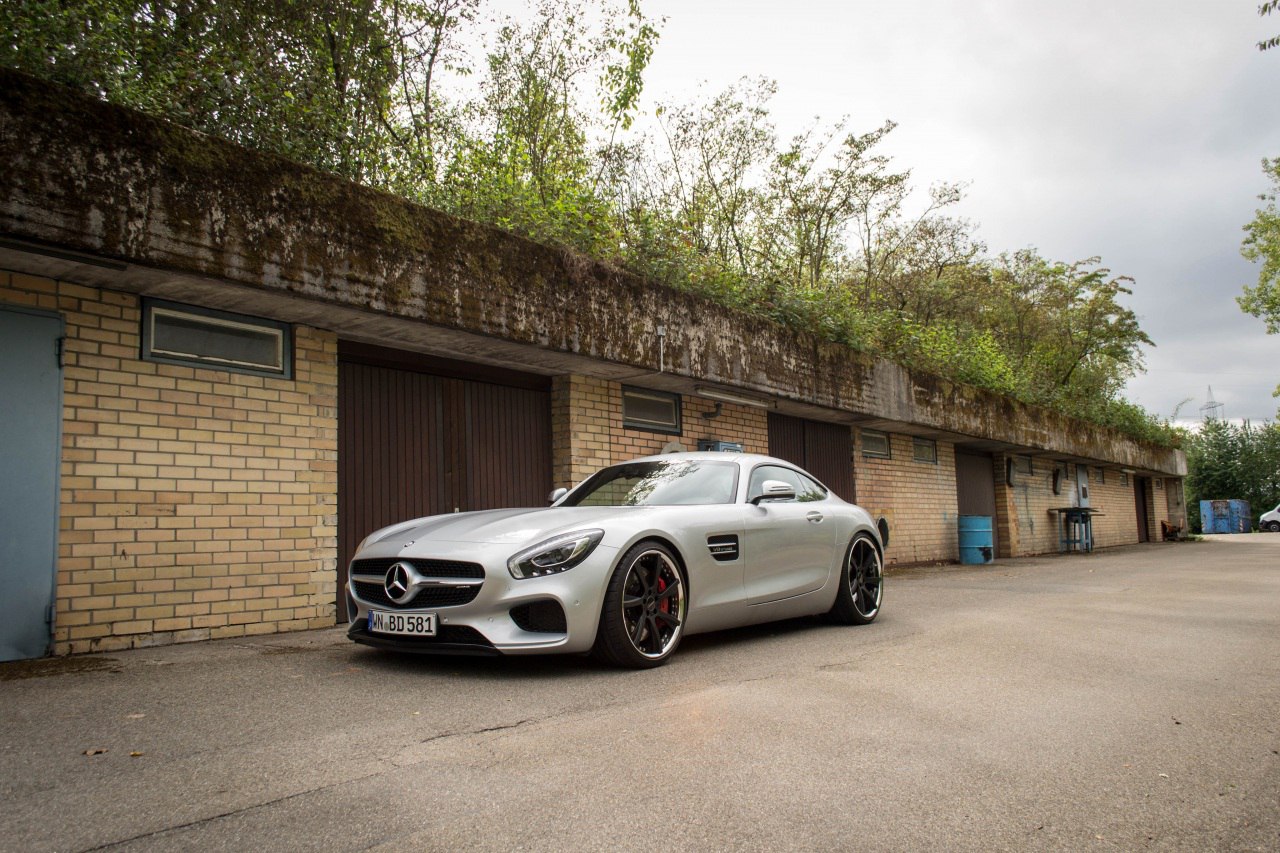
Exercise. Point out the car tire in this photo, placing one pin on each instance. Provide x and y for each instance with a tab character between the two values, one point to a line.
1273	526
642	619
861	583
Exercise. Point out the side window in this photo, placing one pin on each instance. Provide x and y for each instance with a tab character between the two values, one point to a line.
876	444
202	337
655	411
806	489
924	450
812	490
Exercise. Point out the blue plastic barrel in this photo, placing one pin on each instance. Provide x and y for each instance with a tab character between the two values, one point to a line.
976	544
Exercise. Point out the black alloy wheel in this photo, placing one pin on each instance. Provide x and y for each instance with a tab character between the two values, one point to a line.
644	608
861	583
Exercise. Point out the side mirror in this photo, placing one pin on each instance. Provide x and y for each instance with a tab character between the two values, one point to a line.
775	490
557	494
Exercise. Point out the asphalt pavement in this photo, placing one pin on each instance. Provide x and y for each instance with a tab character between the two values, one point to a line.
1124	700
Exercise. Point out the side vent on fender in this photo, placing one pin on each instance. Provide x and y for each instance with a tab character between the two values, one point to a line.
723	548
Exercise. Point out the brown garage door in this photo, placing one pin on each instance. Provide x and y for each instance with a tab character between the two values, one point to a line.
976	488
823	449
420	436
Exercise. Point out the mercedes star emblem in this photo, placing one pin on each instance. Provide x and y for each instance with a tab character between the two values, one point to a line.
399	583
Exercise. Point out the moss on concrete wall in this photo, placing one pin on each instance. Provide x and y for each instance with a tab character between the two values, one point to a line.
90	177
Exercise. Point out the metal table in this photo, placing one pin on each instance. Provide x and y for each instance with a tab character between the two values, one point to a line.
1075	528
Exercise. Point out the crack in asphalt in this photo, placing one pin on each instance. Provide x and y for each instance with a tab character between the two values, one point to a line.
397	765
486	730
318	789
156	833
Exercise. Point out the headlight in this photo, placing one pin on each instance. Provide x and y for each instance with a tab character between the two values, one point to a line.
555	555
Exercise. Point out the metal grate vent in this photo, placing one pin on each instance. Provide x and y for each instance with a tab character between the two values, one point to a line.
723	548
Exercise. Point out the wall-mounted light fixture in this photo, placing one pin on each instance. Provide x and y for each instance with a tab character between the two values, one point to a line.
734	397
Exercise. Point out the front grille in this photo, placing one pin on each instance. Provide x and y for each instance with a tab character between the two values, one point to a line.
373	592
540	617
427	568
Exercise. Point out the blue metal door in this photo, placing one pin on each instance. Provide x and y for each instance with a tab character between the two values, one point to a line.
30	437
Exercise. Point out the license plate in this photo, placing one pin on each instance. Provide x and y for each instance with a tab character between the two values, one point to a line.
412	624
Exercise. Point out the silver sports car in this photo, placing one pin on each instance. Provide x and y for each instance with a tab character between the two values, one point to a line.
636	557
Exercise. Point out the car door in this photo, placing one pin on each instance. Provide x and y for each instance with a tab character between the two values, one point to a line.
789	543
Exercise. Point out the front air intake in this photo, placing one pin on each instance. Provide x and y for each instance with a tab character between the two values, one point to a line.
540	617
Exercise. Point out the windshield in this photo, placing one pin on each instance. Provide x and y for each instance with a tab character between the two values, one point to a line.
675	483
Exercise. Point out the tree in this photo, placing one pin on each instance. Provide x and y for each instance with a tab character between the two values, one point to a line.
1262	245
1064	327
427	37
1266	9
527	125
306	80
554	89
1226	461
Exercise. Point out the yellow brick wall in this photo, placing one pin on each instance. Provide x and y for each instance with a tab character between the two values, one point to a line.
582	416
587	430
918	499
195	503
1008	533
746	425
1118	522
1032	498
1035	530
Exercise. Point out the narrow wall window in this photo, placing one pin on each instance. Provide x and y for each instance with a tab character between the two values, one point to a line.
202	337
1124	478
876	444
1024	465
924	450
1102	476
656	411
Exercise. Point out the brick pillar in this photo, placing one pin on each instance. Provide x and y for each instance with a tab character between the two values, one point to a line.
1177	497
582	412
1006	509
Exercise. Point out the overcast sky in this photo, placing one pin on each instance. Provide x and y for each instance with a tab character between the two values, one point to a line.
1129	129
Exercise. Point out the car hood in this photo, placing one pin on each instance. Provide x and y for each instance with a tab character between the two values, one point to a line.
502	526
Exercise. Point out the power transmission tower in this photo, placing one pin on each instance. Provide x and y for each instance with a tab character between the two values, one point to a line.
1212	409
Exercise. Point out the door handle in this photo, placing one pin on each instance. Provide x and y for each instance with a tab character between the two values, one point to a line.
814	517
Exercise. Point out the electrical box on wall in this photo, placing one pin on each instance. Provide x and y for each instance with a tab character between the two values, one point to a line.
720	446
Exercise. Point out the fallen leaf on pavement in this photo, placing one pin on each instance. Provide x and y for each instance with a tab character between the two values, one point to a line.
94	751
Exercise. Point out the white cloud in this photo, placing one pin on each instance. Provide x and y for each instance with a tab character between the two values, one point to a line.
1125	129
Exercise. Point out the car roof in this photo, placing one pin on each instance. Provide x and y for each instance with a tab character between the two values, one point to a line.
747	459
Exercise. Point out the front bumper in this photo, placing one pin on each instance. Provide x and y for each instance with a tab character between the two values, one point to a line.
506	615
448	641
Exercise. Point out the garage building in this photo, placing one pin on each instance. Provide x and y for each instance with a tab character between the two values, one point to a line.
222	369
